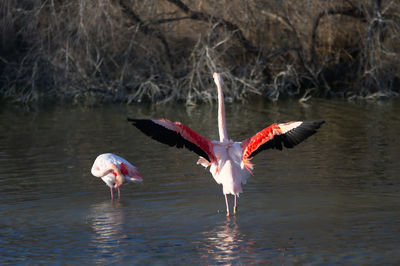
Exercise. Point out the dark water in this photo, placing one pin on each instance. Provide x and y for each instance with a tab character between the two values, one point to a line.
333	199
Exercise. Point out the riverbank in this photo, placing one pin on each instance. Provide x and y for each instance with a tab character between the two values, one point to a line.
161	51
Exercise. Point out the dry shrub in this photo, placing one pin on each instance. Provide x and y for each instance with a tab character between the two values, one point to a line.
166	50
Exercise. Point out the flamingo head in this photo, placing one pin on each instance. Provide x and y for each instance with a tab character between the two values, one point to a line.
217	78
119	178
122	177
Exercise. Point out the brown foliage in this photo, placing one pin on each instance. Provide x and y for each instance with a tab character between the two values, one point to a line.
162	50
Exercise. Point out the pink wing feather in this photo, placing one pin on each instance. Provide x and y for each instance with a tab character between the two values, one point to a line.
289	134
176	134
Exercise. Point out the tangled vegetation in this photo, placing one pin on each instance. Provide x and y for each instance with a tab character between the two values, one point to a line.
166	50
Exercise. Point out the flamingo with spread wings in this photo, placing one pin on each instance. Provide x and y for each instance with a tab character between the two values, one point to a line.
229	161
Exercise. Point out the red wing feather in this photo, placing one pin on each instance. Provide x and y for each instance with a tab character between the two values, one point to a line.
124	169
289	134
176	134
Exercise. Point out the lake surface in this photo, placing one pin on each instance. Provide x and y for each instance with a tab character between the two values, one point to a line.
333	199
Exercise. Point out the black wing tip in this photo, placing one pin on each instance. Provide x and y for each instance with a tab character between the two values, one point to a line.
135	119
318	122
312	125
132	120
139	122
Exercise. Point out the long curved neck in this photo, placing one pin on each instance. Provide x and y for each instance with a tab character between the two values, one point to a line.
223	136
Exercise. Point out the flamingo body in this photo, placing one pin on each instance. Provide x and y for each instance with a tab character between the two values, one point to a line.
229	161
115	171
227	170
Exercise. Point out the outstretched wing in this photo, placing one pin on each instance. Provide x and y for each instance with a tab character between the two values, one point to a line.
176	134
289	134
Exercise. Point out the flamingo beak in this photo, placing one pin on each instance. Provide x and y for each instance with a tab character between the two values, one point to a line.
118	180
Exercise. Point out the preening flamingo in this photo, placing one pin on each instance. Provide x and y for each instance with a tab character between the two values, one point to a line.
229	161
115	171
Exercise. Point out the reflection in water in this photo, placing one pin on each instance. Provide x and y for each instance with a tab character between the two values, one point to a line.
225	241
107	220
227	244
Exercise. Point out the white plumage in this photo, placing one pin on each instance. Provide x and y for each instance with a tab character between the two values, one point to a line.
228	171
115	171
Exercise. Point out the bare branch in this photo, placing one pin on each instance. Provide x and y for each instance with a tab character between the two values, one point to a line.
215	20
146	29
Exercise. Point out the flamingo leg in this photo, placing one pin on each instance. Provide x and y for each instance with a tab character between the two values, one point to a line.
227	205
235	207
119	194
112	194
